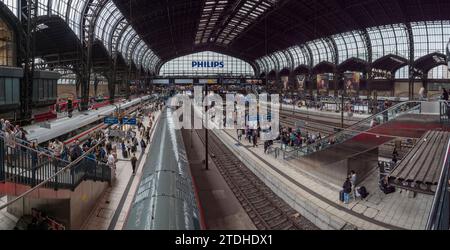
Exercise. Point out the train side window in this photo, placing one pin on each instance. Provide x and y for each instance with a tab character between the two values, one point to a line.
8	91
35	90
16	90
41	89
2	91
50	89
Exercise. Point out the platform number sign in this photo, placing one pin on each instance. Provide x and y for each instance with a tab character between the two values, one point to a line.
111	120
129	121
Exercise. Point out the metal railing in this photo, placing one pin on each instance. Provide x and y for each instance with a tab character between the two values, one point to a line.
23	165
444	111
360	127
439	218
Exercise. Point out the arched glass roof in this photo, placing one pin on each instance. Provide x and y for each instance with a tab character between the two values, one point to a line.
428	37
131	46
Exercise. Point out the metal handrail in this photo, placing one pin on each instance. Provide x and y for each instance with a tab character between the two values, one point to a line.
434	218
350	129
70	166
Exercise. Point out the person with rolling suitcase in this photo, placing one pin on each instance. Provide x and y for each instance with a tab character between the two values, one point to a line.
347	189
341	196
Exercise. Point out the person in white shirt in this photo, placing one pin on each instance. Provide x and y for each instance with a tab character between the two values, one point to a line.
58	148
111	161
422	94
10	141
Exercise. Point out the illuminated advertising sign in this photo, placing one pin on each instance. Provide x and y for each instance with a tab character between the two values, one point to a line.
161	81
254	81
285	81
184	81
208	64
301	79
352	81
231	81
323	82
207	81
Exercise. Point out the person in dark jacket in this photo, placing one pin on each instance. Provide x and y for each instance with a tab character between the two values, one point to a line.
445	95
134	163
347	190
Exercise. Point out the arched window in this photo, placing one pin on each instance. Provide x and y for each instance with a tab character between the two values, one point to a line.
206	63
6	45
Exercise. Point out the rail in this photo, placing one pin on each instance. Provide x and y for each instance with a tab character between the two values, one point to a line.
26	166
21	164
360	127
444	111
439	218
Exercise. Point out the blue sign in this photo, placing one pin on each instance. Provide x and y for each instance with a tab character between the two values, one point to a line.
257	118
129	121
111	120
208	64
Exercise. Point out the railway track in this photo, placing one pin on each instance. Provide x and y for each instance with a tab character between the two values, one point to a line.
264	207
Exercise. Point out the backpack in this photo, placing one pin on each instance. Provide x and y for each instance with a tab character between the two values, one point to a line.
363	192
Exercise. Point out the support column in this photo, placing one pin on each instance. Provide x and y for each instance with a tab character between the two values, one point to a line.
425	83
310	81
337	77
28	13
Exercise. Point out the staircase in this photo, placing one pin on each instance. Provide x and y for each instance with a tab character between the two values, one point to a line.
21	165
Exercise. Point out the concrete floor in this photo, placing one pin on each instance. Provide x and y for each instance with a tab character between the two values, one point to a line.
7	221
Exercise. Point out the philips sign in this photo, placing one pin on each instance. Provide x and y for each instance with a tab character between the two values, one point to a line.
207	64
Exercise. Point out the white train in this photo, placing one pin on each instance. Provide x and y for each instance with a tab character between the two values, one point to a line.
79	126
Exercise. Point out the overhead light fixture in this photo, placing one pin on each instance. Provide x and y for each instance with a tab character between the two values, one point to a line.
41	26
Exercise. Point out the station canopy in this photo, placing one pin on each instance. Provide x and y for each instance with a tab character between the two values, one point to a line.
251	29
269	34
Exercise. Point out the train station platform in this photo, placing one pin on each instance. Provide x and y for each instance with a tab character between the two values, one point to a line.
318	200
112	208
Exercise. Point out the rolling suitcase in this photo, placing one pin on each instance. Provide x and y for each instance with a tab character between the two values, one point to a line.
341	196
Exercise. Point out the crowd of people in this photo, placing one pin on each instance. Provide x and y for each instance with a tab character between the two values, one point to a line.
288	137
100	147
296	139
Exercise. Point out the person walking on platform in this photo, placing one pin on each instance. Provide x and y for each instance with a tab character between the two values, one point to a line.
444	94
134	163
111	162
143	145
147	135
347	190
